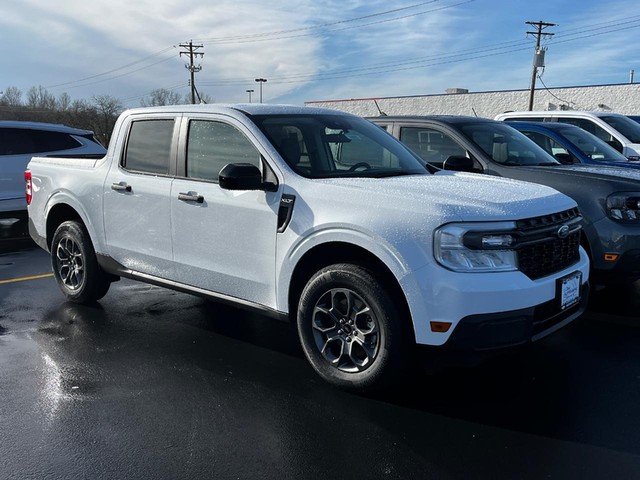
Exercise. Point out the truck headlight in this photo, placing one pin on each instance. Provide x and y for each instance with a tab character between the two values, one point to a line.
476	247
624	207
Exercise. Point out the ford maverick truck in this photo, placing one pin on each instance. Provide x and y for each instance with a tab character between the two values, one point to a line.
371	255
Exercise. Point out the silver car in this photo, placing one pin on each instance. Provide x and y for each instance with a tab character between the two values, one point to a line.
19	141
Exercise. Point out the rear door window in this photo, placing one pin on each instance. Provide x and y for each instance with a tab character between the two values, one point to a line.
149	146
431	145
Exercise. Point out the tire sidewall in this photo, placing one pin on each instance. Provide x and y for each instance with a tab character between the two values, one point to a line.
362	282
92	287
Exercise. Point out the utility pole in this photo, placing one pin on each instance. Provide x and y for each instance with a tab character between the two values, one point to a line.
191	50
250	91
538	58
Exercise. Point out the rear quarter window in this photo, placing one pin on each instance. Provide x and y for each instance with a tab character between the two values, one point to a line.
18	141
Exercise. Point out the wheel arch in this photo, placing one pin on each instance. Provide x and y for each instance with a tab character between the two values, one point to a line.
330	253
59	214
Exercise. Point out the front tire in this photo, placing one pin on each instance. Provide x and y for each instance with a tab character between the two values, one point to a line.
350	328
75	266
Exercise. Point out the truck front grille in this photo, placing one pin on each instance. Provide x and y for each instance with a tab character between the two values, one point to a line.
541	251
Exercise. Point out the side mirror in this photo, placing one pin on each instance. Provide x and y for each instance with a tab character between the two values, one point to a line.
240	176
564	158
458	163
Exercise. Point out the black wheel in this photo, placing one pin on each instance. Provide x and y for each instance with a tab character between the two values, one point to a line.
75	266
350	328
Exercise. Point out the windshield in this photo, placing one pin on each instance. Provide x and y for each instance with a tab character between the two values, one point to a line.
505	145
591	145
625	126
326	146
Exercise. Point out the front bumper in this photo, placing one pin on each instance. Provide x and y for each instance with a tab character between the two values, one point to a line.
485	332
615	252
489	311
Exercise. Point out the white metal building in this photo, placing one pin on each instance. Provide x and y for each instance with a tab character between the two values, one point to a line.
621	98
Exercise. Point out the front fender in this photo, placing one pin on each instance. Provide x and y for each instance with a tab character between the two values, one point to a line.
294	250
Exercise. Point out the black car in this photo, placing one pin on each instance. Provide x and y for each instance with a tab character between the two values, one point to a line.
608	197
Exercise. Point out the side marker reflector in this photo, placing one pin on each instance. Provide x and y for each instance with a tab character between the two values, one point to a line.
611	257
440	327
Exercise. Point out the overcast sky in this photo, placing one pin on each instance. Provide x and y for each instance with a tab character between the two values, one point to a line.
311	49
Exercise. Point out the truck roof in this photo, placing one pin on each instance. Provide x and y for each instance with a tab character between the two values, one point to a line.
248	108
437	118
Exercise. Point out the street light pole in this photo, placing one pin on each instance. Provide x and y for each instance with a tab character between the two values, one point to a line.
261	81
250	92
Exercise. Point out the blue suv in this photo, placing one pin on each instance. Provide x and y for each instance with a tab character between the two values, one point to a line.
570	144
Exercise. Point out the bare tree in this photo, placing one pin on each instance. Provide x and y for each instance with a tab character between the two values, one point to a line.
107	109
39	97
12	97
161	96
64	102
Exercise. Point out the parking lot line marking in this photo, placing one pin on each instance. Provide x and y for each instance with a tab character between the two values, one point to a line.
24	279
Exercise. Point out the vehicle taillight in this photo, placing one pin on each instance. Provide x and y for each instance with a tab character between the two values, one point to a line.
28	192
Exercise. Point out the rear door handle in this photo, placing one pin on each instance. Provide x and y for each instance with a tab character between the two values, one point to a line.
121	187
191	197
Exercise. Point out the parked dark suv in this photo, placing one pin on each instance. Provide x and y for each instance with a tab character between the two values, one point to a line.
19	141
608	197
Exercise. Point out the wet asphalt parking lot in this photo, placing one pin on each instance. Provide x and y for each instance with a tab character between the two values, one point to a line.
151	383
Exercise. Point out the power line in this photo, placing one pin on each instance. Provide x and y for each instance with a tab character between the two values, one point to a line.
115	69
501	48
313	27
286	37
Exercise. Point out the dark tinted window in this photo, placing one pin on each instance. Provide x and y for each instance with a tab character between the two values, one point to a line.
17	141
625	126
149	146
524	119
326	145
432	145
212	145
505	145
589	126
590	145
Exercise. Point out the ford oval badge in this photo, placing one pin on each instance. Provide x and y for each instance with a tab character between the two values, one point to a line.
563	231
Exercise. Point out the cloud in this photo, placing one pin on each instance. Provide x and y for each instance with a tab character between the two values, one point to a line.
53	43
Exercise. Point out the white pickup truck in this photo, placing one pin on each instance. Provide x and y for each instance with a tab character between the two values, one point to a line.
371	255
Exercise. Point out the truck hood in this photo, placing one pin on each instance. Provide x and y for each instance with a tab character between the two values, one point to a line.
452	196
593	173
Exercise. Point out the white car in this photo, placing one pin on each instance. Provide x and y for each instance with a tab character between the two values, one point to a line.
19	141
617	130
319	217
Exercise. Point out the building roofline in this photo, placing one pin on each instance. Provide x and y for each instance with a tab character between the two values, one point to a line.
468	93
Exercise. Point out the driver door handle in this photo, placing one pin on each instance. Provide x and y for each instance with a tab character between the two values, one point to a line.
191	197
121	187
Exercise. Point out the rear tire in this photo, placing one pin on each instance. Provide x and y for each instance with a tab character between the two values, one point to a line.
75	266
350	328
